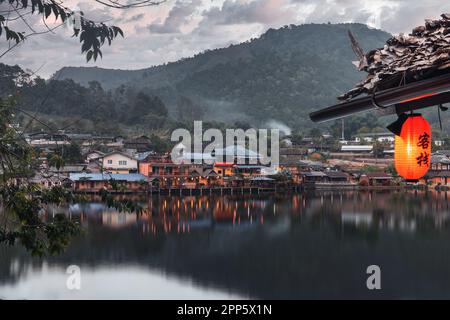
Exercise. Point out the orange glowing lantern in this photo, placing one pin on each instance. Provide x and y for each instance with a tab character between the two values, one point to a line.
413	148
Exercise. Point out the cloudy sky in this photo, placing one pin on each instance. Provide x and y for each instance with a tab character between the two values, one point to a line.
182	28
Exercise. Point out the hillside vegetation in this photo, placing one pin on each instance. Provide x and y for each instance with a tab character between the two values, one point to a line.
282	75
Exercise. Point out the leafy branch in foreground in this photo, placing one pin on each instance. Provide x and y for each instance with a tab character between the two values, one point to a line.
92	35
23	219
23	205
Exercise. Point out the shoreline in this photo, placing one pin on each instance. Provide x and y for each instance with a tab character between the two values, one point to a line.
253	190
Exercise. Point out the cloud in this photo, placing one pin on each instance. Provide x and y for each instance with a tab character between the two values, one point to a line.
394	16
177	18
264	12
135	18
182	28
93	12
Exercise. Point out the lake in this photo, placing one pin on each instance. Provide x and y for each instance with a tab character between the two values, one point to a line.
310	245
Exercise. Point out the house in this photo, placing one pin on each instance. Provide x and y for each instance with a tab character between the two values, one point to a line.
357	148
337	176
444	152
47	181
293	152
119	163
246	170
293	167
168	173
89	140
375	179
262	182
439	161
224	169
94	167
308	165
383	137
47	140
82	139
94	160
138	144
65	171
116	143
439	172
204	177
142	156
436	177
94	155
313	176
94	182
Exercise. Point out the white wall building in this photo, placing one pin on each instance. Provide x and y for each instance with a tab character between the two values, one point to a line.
119	162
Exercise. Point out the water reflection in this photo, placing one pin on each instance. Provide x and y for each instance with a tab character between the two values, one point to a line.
127	283
310	245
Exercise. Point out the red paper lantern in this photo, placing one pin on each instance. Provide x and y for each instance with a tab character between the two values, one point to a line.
413	148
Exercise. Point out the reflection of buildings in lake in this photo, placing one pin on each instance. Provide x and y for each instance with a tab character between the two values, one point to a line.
381	210
404	210
100	214
183	214
116	219
356	218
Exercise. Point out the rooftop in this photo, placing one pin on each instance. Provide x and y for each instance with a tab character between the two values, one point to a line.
439	158
131	177
337	174
357	148
378	175
313	174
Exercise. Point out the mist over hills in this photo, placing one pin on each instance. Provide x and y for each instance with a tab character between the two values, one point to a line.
282	75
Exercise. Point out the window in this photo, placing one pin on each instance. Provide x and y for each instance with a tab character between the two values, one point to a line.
122	162
109	161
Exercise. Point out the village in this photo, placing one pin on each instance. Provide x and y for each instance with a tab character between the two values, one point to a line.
129	165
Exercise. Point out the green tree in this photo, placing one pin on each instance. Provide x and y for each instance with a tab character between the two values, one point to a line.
56	161
22	201
188	110
159	145
146	108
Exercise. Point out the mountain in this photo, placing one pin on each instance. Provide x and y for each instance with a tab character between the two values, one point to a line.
282	75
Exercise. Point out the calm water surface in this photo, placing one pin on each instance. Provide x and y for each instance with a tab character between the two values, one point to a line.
309	245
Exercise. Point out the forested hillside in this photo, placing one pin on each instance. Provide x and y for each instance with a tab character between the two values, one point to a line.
282	75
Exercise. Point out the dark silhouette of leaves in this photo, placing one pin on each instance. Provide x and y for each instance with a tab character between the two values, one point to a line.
92	35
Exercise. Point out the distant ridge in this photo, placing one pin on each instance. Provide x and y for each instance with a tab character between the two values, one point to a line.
281	75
